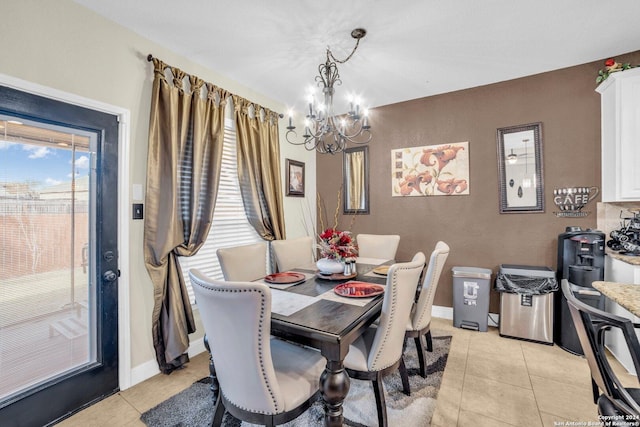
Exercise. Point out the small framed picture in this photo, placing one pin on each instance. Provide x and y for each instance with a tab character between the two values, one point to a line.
295	178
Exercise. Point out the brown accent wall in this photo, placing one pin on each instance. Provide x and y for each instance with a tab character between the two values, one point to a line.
564	101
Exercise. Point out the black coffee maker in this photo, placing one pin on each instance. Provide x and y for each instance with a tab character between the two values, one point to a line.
581	261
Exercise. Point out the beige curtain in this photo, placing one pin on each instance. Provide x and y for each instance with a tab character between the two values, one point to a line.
259	168
183	167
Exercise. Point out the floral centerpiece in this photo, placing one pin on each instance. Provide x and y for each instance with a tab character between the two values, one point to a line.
336	248
337	245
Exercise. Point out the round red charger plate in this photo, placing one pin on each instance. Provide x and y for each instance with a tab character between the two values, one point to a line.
355	289
284	278
383	270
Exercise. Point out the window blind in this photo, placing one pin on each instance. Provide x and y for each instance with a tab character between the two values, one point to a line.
230	226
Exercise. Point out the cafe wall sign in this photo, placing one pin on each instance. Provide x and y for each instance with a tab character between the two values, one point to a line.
571	200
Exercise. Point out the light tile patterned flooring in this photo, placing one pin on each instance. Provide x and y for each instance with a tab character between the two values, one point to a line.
489	381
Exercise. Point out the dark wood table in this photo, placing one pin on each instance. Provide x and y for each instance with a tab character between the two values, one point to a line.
330	327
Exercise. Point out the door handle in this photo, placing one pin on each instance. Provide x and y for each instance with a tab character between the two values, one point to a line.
110	275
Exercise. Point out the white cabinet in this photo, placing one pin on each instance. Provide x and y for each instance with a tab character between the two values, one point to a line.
623	272
620	105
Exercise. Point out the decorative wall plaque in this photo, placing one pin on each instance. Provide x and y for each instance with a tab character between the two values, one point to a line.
571	200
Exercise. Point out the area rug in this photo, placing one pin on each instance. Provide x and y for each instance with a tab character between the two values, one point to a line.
193	407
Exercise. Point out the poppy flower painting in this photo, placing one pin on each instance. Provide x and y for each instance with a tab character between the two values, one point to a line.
434	170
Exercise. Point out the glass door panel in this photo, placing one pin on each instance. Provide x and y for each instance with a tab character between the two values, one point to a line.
47	298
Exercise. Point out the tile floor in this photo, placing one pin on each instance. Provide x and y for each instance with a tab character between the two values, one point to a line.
488	381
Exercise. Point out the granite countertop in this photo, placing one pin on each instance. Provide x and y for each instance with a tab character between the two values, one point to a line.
634	260
627	295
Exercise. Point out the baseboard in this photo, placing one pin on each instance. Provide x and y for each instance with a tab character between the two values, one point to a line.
196	347
442	312
146	370
447	313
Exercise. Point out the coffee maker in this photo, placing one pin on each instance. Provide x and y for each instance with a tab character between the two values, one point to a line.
581	262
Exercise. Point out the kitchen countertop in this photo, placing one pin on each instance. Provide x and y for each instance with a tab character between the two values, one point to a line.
626	295
634	260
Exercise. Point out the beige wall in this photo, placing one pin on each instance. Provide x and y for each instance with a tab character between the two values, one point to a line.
564	101
64	46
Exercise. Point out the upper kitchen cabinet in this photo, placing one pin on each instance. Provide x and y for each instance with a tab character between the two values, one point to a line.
620	98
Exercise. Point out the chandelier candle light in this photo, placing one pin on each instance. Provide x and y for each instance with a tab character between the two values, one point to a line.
324	131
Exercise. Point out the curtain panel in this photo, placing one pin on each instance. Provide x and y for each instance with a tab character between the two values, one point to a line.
183	169
259	168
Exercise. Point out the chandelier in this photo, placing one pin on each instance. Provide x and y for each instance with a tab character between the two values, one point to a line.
324	131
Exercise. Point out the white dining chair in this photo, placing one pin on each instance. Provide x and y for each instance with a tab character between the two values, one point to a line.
262	380
420	321
243	263
381	246
378	351
292	253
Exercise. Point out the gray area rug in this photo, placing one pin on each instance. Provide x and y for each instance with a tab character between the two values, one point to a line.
193	407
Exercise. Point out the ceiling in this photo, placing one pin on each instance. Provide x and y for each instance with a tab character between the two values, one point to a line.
412	48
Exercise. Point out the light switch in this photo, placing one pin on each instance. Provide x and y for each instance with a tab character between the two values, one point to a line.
137	211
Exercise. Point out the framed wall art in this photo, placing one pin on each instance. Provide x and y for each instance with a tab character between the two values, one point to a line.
295	178
433	170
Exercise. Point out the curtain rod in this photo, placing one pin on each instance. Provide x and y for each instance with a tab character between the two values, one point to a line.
150	58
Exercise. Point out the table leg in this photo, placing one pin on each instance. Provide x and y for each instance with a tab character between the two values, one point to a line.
215	386
334	386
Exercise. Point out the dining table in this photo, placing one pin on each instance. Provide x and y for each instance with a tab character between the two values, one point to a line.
310	313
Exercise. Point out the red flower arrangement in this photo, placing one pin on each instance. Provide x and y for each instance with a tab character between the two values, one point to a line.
611	66
337	245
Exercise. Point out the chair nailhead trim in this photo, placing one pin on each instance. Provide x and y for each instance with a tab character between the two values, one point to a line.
435	273
394	296
208	287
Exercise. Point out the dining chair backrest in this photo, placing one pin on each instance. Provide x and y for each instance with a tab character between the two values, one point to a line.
382	246
421	316
292	253
591	323
243	263
399	295
237	320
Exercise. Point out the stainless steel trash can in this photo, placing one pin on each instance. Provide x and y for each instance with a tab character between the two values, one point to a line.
471	288
526	302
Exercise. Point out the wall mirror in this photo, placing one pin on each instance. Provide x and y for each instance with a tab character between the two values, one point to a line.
355	184
520	169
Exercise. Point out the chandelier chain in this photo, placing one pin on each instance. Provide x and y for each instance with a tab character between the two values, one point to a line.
330	54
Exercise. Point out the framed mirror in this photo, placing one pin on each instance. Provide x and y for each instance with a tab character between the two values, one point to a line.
520	169
355	180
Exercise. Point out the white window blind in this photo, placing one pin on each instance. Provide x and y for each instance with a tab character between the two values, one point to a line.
230	226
